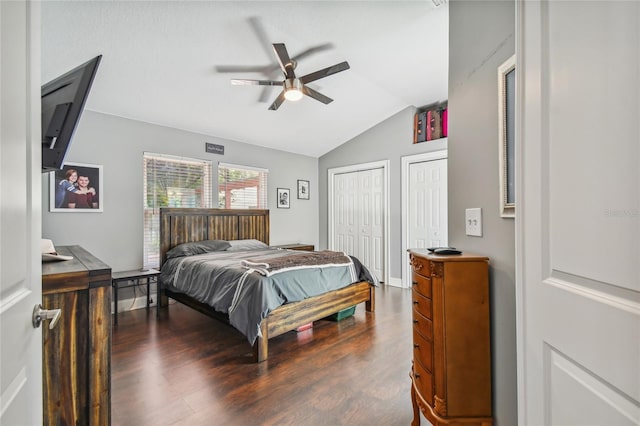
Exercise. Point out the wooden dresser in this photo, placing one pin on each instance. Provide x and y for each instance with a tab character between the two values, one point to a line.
451	373
77	351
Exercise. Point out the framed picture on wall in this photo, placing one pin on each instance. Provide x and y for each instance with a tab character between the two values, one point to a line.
283	198
76	188
303	189
506	136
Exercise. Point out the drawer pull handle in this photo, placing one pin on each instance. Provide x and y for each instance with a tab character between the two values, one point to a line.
416	346
414	282
415	302
415	321
417	375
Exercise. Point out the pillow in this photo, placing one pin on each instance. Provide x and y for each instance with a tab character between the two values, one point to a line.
197	247
238	245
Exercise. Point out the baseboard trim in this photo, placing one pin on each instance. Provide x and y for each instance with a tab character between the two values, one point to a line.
395	282
133	303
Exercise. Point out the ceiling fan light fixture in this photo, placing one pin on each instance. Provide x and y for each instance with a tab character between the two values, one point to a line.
293	89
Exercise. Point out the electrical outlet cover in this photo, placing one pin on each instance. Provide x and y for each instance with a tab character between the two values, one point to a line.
473	222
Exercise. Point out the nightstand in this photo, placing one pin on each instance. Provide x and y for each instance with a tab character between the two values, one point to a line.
126	279
297	246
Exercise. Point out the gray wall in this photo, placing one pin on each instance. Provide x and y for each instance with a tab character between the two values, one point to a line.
390	140
481	37
115	236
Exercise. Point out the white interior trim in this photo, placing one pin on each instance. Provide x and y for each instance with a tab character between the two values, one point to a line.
238	166
384	164
406	162
521	336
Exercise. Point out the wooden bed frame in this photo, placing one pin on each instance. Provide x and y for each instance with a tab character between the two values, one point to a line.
178	225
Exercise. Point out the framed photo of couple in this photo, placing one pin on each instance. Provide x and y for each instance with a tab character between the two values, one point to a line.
76	188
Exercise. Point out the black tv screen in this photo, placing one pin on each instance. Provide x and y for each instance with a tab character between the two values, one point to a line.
63	100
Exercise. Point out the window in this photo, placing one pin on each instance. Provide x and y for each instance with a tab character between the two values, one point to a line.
170	182
242	187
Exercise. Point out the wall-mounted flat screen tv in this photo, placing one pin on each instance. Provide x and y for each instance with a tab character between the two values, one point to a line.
63	101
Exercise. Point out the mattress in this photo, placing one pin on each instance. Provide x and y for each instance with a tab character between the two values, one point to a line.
220	280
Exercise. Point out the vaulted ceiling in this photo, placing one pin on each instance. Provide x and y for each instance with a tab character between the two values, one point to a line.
167	63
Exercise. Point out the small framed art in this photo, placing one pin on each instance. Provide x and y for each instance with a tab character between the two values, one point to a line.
76	188
283	198
303	189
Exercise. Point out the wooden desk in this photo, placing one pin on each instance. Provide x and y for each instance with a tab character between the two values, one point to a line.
76	354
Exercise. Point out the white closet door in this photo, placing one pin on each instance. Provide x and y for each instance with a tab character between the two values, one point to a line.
359	217
428	204
427	223
370	230
345	212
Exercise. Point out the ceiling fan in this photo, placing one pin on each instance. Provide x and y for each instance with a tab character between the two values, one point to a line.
294	87
271	70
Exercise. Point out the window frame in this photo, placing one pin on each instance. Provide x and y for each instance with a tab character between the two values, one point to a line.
151	213
262	192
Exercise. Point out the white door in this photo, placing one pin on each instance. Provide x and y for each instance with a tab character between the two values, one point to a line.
359	217
428	204
20	214
424	204
345	212
578	213
370	221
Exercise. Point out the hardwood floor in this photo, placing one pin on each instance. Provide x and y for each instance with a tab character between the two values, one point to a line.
183	368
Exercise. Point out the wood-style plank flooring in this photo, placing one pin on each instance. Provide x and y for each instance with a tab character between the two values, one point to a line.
183	368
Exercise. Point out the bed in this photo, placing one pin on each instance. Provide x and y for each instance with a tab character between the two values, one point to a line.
187	225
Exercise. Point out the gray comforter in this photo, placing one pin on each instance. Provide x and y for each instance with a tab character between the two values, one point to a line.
219	280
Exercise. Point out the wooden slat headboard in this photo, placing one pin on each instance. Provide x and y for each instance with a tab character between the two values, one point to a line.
178	225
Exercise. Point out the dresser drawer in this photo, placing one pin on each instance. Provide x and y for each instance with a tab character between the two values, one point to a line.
421	284
421	266
422	351
424	382
422	324
422	304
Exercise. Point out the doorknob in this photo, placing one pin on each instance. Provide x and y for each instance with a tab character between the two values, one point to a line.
40	314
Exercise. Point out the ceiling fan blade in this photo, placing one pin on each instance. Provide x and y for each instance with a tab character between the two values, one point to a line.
283	58
316	95
237	82
325	72
267	70
265	94
279	100
312	50
242	68
261	35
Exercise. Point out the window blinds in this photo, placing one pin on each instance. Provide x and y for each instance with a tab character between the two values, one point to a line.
170	182
242	187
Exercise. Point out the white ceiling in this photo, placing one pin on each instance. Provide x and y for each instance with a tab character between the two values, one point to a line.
159	63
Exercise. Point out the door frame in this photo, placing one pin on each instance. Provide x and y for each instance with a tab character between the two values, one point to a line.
331	173
406	163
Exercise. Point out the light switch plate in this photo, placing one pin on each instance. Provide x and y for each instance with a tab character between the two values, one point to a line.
473	222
